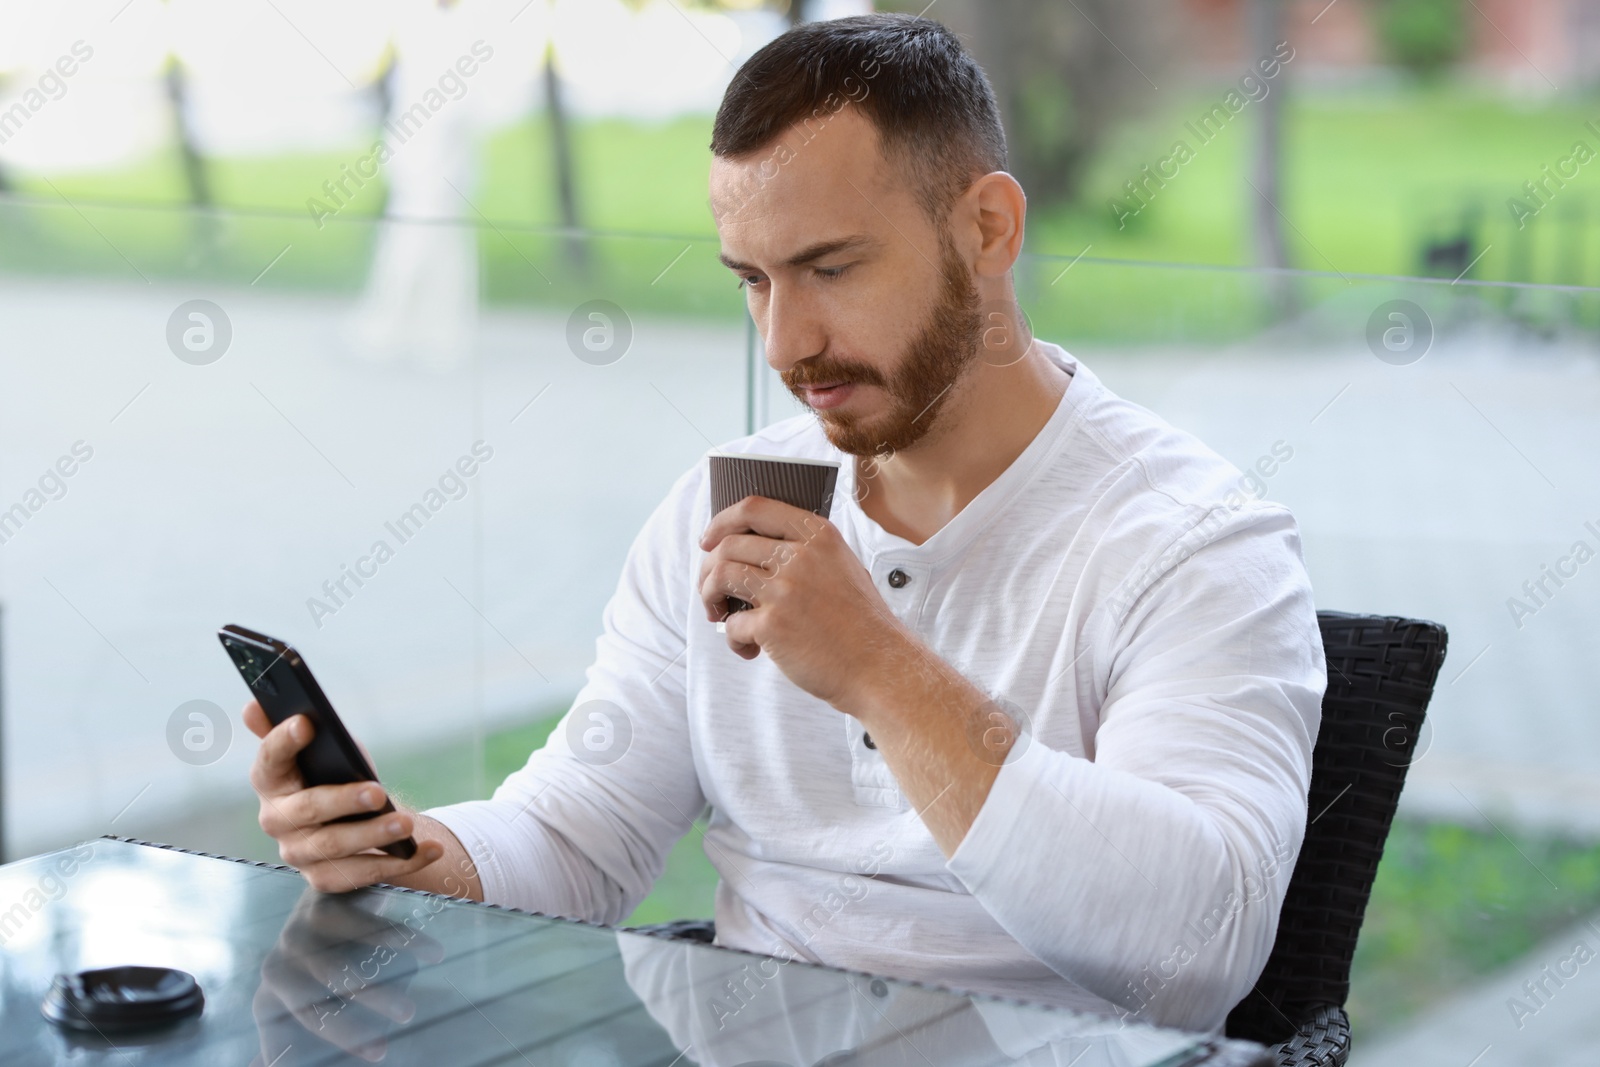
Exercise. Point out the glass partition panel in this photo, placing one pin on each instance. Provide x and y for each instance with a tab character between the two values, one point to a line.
426	475
1436	442
415	450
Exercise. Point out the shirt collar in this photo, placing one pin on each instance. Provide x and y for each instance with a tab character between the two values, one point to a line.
984	508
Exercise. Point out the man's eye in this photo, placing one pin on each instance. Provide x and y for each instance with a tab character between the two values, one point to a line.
831	273
747	281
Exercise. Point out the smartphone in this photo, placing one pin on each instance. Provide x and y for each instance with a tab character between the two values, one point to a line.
284	687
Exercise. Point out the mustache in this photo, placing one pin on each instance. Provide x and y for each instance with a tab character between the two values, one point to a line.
821	370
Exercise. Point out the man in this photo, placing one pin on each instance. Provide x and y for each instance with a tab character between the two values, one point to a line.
1031	715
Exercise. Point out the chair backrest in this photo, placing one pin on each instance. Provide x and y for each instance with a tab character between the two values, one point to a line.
1381	673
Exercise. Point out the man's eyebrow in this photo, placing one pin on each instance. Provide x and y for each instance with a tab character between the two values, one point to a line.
811	253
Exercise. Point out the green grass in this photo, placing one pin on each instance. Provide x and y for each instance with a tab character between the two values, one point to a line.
1452	903
447	774
1368	179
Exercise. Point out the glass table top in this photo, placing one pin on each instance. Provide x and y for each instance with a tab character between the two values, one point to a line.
294	978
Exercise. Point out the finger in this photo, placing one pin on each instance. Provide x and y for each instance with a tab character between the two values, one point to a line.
356	872
289	979
309	971
760	515
256	719
325	841
423	948
344	921
331	1012
307	809
764	553
274	772
339	920
716	557
730	579
740	632
342	1022
278	1032
327	952
410	940
288	993
375	963
384	997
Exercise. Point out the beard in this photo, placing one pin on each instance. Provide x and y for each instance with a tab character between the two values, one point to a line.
924	376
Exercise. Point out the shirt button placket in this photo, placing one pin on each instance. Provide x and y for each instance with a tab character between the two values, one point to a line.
898	579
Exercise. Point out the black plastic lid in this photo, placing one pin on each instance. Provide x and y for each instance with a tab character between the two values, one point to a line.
122	998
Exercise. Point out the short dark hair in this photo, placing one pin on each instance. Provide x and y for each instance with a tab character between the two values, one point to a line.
930	102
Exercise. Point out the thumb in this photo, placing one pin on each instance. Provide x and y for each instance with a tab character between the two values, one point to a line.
256	719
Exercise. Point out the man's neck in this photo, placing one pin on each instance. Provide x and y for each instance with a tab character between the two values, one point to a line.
993	414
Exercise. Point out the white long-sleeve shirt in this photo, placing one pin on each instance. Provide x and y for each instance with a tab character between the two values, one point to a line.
1149	617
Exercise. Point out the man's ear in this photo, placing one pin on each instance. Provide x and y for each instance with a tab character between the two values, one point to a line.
996	208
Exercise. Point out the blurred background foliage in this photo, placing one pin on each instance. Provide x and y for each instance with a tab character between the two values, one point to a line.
1397	155
1425	37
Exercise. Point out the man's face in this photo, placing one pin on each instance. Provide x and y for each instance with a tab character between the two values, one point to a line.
868	312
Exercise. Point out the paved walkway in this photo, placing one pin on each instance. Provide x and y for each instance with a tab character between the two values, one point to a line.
1542	1011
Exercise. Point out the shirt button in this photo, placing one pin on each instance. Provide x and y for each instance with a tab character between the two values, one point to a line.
866	739
898	578
879	988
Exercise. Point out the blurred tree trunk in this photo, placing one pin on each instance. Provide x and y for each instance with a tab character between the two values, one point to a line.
796	12
196	174
383	97
562	155
195	177
1266	199
1064	71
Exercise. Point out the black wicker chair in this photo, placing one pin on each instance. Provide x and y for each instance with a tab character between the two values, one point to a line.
1381	672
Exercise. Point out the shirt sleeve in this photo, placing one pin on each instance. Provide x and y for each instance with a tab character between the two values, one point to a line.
1152	873
583	830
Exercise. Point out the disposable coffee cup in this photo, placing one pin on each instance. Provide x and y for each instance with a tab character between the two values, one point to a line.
801	483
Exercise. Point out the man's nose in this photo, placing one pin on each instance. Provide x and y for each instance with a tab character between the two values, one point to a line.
792	329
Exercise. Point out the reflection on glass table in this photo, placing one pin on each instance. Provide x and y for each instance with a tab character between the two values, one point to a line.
294	978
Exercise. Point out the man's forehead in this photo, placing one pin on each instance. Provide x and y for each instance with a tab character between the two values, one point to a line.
810	249
791	193
794	174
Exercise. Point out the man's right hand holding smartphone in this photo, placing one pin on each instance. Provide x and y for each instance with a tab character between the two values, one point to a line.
336	857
